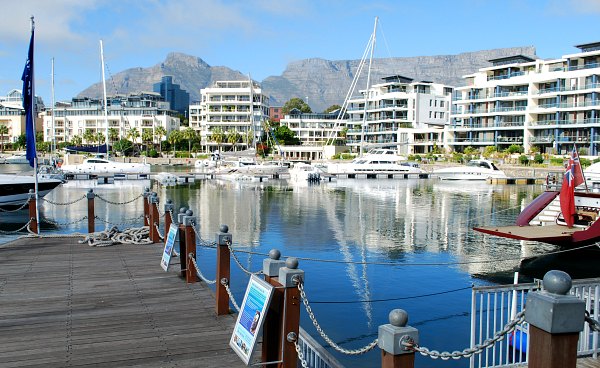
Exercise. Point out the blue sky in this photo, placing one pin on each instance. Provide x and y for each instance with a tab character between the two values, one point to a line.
261	37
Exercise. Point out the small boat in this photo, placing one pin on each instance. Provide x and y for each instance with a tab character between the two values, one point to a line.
17	158
14	189
99	165
304	173
376	161
165	178
473	170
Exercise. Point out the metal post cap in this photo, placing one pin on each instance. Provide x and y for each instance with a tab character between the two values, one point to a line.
224	228
146	189
169	201
189	213
154	194
557	282
182	209
291	263
398	318
274	254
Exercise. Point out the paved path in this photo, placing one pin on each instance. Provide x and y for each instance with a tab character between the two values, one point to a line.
64	304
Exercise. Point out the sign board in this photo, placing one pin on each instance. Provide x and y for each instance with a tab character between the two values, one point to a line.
250	319
166	257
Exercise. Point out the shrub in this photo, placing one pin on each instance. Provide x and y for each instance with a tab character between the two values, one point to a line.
538	159
523	160
152	153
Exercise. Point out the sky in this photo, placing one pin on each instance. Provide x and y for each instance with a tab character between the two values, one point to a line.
260	37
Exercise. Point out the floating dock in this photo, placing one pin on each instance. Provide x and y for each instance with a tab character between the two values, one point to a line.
505	181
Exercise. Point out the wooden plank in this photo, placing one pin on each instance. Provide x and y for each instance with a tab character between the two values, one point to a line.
66	304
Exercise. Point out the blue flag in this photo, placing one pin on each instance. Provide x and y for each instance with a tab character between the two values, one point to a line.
29	104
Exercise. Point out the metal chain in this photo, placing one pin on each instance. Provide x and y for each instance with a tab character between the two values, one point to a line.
235	258
117	203
594	325
300	355
225	283
171	215
126	222
161	236
51	222
338	348
66	203
210	282
201	242
18	230
466	353
15	210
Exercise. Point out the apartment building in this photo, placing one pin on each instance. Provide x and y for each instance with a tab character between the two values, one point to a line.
543	105
12	115
142	111
399	113
178	99
231	107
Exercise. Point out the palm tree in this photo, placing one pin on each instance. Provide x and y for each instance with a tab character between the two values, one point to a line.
89	136
147	136
190	135
76	140
174	138
218	136
160	132
133	134
113	134
233	137
3	132
248	138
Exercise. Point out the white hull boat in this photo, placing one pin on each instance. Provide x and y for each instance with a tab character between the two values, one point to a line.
94	166
304	173
376	161
473	170
14	189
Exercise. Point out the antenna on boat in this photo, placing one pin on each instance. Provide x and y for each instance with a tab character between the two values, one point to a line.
105	101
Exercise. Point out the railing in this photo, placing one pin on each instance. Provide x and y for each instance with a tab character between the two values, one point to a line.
493	306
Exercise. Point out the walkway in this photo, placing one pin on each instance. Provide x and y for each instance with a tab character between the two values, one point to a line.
64	304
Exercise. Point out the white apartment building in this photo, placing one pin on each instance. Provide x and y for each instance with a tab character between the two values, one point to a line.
231	107
314	129
143	111
400	113
547	104
12	115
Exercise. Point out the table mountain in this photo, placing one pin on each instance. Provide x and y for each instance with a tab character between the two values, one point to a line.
321	82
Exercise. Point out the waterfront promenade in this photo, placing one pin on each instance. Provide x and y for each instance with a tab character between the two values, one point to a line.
65	304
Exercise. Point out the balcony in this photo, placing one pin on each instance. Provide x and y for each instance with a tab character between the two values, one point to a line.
509	108
585	66
504	76
509	139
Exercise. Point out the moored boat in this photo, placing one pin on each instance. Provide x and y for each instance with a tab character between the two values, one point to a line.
304	173
14	189
473	170
376	161
98	165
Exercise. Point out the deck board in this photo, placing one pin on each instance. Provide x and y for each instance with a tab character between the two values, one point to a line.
65	304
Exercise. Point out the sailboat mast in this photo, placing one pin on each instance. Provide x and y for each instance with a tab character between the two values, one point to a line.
53	104
252	113
105	102
362	130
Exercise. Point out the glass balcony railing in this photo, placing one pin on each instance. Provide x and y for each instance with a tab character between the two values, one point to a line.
504	76
585	66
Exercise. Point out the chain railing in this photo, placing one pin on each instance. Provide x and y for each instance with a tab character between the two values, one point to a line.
237	261
118	203
300	355
225	284
161	236
466	353
58	224
124	223
594	325
201	242
10	232
210	282
338	348
64	203
17	209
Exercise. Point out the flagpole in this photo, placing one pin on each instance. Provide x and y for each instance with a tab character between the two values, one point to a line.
33	116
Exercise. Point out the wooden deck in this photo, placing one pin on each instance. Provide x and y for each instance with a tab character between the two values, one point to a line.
64	304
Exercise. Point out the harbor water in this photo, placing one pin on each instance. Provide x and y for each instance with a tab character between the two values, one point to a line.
366	246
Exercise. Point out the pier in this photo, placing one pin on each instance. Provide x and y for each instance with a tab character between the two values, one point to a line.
66	304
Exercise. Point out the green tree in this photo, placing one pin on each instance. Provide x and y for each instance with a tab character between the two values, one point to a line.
147	136
3	132
514	148
332	108
233	137
123	145
113	134
218	136
174	137
76	140
190	135
286	136
489	151
160	132
248	138
295	103
133	134
89	136
100	138
20	143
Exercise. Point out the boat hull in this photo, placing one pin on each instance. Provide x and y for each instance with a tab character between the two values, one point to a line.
14	189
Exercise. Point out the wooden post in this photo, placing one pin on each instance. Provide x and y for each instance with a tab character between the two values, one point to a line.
555	320
190	241
282	331
393	354
33	225
154	218
271	325
146	206
182	245
91	216
168	207
223	270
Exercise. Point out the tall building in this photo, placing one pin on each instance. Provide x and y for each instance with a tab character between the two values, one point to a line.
143	112
178	99
400	113
12	115
236	108
545	105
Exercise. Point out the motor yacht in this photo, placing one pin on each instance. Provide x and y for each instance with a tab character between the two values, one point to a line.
473	170
14	189
376	161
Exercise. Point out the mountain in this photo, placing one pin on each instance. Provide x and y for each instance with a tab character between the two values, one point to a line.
321	82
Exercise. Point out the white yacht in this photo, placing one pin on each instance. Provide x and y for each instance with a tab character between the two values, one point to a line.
14	189
473	170
99	165
304	173
376	161
17	158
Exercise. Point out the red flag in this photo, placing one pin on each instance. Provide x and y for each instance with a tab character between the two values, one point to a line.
573	177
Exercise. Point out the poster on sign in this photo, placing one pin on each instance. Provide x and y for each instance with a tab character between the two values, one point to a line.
166	257
250	319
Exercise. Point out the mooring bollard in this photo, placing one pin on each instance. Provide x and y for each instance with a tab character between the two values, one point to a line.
33	225
223	240
146	194
182	248
91	216
288	278
272	324
169	207
391	336
555	320
190	240
154	218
